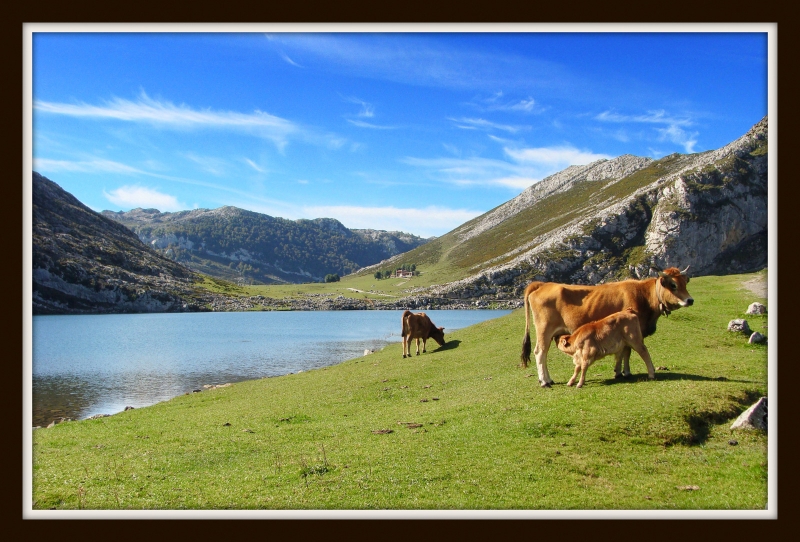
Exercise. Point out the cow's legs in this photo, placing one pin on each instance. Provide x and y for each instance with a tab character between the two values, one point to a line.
418	347
405	345
424	343
622	359
540	351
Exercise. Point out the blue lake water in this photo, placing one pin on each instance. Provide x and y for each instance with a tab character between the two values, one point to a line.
99	364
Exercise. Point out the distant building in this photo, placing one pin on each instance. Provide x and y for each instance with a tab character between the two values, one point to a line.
400	274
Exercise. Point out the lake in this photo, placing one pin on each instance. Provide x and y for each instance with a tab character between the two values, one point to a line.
83	365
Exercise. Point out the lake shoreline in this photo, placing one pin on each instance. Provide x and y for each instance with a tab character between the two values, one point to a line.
87	365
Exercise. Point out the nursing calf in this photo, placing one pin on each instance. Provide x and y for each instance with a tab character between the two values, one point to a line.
601	338
419	326
559	309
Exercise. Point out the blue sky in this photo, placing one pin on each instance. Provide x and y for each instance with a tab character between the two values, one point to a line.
417	132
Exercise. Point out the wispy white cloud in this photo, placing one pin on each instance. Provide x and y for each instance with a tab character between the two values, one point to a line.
654	117
423	221
675	128
419	60
475	171
367	109
288	60
362	124
483	124
168	115
255	166
497	102
83	166
526	166
141	196
679	136
558	157
209	164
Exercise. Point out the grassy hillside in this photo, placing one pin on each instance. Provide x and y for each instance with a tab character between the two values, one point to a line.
460	427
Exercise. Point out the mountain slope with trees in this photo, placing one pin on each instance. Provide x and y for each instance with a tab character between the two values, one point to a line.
253	248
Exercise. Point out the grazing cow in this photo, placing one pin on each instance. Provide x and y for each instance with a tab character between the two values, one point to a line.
419	326
602	338
559	309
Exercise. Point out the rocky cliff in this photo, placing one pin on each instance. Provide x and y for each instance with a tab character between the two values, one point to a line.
86	263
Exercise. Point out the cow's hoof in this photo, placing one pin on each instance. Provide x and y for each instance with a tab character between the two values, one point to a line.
546	384
617	375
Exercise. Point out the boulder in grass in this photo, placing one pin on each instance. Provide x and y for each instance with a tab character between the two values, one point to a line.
757	338
739	326
754	417
756	308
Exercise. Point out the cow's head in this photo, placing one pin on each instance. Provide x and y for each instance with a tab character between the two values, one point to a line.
673	292
437	334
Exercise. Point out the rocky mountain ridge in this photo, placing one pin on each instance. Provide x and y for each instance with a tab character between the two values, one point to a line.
253	248
613	219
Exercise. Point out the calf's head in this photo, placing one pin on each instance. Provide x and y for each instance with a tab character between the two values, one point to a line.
566	345
674	292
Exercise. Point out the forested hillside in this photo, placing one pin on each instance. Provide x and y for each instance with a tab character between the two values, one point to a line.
253	248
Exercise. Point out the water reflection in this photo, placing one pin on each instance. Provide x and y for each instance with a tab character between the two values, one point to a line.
88	365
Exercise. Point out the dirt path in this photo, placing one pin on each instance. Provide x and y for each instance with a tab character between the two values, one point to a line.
757	285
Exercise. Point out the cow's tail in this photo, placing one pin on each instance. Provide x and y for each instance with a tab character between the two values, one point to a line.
525	356
404	330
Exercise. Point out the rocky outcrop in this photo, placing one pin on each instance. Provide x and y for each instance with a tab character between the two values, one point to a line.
706	210
85	263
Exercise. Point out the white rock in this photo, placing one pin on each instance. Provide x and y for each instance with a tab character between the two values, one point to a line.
756	308
754	417
739	325
757	337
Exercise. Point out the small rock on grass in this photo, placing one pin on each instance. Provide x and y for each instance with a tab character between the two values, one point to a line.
756	308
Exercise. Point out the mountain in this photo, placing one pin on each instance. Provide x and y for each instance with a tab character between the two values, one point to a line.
247	247
610	220
85	263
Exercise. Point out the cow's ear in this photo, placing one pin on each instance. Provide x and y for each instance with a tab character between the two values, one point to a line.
441	329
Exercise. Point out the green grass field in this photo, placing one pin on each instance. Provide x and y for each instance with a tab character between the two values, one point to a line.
459	427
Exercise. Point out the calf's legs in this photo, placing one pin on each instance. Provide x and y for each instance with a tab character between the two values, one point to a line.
581	365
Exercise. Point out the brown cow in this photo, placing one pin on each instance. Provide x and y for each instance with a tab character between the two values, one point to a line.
559	309
602	338
419	326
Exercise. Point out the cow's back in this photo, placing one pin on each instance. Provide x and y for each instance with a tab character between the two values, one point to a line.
571	306
416	325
